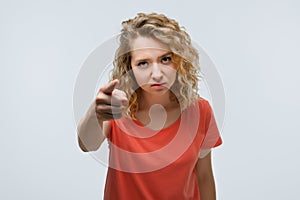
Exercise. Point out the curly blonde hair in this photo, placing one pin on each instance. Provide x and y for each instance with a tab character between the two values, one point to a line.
186	58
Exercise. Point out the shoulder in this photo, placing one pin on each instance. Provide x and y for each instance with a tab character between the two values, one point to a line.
200	105
204	104
112	126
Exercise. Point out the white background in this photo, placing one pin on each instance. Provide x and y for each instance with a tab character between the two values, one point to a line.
255	45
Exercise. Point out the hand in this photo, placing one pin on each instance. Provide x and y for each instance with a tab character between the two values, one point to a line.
110	101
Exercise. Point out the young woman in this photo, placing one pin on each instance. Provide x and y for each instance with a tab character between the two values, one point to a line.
160	131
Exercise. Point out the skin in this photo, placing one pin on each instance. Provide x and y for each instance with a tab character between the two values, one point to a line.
206	178
108	103
152	64
155	73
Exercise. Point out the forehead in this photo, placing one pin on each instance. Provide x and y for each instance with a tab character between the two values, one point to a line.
148	46
147	42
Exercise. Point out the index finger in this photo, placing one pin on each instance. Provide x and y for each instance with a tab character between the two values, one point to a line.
108	88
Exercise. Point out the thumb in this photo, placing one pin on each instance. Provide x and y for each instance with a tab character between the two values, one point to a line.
121	95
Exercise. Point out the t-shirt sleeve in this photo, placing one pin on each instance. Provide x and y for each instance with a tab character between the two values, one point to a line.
212	134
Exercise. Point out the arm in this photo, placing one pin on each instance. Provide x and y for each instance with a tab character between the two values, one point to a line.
91	131
94	126
205	178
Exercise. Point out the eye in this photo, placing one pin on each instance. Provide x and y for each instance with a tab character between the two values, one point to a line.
142	64
166	59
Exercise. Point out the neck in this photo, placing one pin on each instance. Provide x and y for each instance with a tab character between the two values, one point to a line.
148	100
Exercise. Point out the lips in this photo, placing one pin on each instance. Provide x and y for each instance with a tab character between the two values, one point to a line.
157	84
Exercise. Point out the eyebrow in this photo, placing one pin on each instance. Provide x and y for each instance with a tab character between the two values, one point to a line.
166	54
146	58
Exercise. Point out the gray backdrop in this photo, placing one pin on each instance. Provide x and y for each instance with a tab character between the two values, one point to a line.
254	44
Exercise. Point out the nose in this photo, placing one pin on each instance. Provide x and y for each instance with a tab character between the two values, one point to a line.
156	73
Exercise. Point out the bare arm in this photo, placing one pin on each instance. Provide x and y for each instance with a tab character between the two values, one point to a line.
205	178
94	126
91	131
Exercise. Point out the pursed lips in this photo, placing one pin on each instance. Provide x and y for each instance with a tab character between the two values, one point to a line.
157	84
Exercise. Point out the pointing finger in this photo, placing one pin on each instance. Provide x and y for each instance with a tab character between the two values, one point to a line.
107	89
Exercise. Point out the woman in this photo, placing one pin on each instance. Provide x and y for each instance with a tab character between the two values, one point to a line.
160	131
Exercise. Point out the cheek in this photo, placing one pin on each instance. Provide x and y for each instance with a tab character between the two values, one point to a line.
139	77
172	75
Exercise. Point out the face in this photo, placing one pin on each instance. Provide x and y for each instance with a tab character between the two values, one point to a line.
152	65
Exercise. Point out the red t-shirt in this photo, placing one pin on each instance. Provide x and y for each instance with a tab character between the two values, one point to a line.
148	164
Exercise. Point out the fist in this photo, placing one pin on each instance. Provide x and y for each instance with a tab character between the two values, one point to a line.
110	102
